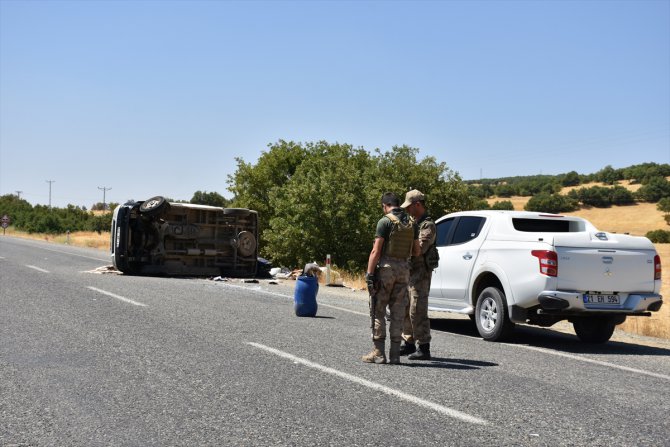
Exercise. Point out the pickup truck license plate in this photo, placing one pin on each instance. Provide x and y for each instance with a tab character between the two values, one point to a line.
591	298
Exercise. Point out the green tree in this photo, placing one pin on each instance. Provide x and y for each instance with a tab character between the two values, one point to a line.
609	176
324	208
319	198
657	189
663	205
551	203
504	190
503	205
209	198
659	236
253	185
399	171
621	196
570	179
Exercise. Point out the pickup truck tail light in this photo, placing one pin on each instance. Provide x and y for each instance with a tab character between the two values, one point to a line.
657	267
548	261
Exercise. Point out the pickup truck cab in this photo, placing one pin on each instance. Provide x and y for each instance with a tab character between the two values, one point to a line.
508	267
155	237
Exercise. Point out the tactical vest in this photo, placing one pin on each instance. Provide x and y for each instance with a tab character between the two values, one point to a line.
401	238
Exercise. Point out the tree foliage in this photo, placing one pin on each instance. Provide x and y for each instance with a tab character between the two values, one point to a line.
551	203
656	189
664	205
42	219
253	185
608	175
602	197
659	236
569	179
324	198
209	198
503	205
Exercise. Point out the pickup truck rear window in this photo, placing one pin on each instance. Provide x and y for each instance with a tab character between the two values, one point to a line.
443	232
541	225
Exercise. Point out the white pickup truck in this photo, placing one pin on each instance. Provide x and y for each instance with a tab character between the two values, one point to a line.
507	267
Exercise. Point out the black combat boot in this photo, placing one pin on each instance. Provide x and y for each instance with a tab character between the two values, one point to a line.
423	353
407	348
394	353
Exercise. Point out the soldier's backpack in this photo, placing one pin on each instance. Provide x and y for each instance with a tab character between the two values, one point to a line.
432	257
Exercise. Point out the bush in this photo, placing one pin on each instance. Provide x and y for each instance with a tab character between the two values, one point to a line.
503	205
664	205
479	205
655	190
504	190
601	197
621	196
569	179
659	236
551	203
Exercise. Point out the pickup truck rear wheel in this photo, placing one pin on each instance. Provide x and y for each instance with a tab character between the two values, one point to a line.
491	316
594	330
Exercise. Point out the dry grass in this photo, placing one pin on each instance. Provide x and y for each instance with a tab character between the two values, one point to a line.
89	239
658	325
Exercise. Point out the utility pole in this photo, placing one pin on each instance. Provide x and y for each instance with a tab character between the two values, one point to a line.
104	201
18	194
50	182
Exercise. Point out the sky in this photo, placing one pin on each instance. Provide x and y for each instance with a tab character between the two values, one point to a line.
124	99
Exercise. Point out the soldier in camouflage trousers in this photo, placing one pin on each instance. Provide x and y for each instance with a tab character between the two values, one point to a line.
416	327
387	277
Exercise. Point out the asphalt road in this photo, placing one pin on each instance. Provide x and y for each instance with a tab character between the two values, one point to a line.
90	359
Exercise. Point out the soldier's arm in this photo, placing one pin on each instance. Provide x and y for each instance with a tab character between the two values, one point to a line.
375	254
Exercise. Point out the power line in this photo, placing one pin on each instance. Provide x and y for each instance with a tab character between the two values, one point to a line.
50	182
104	201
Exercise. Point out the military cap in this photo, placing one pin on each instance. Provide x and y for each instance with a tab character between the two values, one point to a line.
413	196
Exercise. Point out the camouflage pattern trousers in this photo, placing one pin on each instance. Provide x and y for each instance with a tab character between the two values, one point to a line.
416	326
392	279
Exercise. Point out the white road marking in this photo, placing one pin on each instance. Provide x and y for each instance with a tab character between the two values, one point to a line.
63	251
588	360
450	412
532	348
38	269
127	300
343	309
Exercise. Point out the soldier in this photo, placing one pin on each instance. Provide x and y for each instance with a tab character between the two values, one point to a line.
387	276
416	328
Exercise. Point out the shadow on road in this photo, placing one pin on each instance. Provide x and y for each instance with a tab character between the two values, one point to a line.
447	363
551	339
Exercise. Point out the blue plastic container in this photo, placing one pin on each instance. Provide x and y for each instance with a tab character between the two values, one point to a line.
304	298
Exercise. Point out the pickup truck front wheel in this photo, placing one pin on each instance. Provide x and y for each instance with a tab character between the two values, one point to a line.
594	330
491	316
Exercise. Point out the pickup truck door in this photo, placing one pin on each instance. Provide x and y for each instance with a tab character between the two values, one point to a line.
457	259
